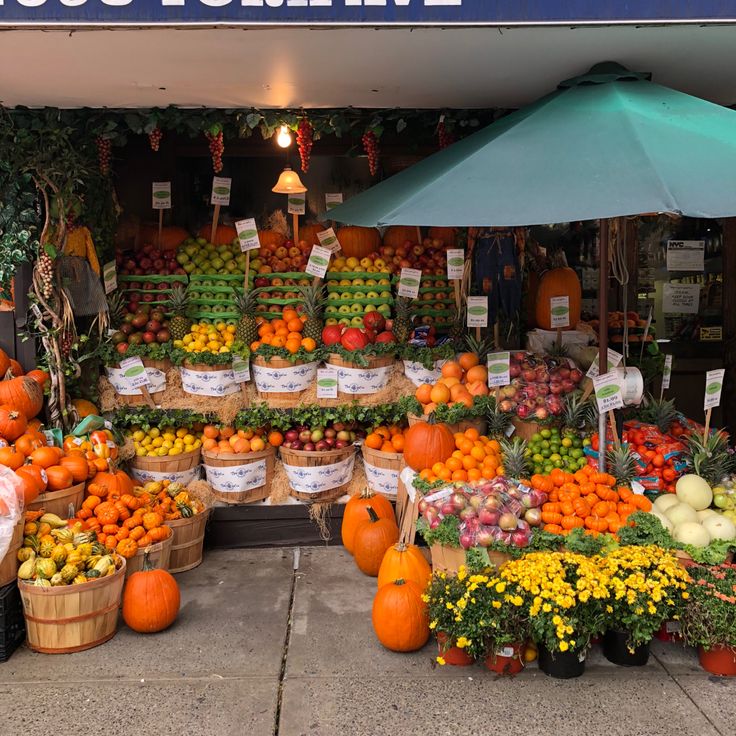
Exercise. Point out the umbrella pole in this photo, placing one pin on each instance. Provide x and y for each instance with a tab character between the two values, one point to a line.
602	334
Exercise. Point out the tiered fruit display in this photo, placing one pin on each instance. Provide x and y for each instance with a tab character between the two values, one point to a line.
204	337
278	291
228	439
321	439
436	302
55	554
149	261
495	510
356	287
145	326
386	439
290	332
163	441
428	256
549	449
634	324
461	381
475	458
372	329
173	500
197	257
281	256
538	386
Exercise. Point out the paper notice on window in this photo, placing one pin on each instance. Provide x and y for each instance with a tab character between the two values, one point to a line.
681	298
686	255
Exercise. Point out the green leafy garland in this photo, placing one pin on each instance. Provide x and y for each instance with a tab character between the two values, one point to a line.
269	351
425	355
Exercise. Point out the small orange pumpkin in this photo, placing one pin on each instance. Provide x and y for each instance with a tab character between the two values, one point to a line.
23	394
406	562
59	478
12	423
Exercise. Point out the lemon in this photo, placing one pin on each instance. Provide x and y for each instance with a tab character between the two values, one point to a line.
168	444
139	435
175	451
157	442
169	435
152	453
231	329
181	432
146	441
189	439
163	451
197	444
141	451
224	349
154	432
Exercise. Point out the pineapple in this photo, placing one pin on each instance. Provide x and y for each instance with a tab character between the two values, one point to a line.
711	459
515	458
245	304
480	347
458	327
577	414
498	422
403	320
661	412
313	299
116	308
178	304
621	465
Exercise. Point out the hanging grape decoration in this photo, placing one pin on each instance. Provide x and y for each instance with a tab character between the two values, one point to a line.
46	272
445	137
104	154
217	147
304	141
154	138
370	146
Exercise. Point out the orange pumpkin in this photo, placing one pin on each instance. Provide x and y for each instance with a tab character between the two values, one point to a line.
23	394
308	233
355	514
151	599
127	548
271	237
558	282
358	242
405	562
29	442
37	473
400	617
446	234
398	235
85	408
16	368
4	363
45	457
113	483
171	237
59	478
30	488
77	466
372	538
12	423
427	443
224	234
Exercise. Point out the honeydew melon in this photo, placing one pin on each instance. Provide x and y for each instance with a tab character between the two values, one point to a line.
690	532
720	527
662	503
694	491
681	513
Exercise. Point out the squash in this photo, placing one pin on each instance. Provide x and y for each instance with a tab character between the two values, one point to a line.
398	235
271	238
224	234
30	487
77	466
558	282
11	458
400	617
85	408
112	483
16	369
308	233
447	235
355	514
358	242
151	599
59	478
427	443
372	538
23	394
405	562
171	237
12	423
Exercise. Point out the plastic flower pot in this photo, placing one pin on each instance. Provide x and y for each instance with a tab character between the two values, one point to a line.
669	631
508	660
615	650
450	653
718	660
561	665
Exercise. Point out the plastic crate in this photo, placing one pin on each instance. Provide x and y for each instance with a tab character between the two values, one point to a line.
12	623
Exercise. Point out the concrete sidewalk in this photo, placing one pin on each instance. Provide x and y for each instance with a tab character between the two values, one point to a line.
261	649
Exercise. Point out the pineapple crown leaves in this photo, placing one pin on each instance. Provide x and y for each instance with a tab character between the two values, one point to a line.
711	459
480	347
661	412
245	299
313	297
577	413
514	457
179	300
621	464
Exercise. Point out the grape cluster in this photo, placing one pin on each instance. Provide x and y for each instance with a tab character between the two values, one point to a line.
217	148
104	154
370	146
46	272
154	138
304	133
67	341
445	137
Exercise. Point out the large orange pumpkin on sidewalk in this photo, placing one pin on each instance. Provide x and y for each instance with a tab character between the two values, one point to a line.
400	617
355	514
372	538
151	599
405	562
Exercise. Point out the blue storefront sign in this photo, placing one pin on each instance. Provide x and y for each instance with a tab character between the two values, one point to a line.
360	12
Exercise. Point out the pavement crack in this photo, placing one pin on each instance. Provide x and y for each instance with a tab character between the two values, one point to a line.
287	640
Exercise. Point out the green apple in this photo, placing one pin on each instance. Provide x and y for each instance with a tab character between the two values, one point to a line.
370	282
371	308
182	258
217	263
330	321
201	241
346	296
358	282
331	309
189	267
384	309
372	295
359	295
385	295
344	309
356	308
344	321
357	321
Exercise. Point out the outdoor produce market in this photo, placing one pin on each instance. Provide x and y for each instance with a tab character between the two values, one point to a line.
510	399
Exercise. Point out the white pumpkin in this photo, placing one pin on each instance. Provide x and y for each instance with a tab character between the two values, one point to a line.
681	513
719	527
694	491
692	533
662	503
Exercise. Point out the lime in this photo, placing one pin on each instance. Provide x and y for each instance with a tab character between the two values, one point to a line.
545	444
538	458
567	442
546	433
546	452
536	437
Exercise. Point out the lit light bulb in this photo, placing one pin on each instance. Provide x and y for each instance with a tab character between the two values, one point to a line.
283	138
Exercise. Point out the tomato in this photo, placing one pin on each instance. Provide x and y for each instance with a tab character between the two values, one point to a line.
658	461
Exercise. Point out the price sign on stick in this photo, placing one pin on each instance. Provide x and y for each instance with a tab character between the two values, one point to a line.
614	359
161	195
332	200
559	308
477	311
241	370
666	374
498	369
221	191
134	373
319	260
455	263
297	204
713	388
247	234
110	277
328	239
326	383
409	282
608	394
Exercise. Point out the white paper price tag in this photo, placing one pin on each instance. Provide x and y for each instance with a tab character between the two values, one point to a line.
614	359
328	239
297	204
455	263
686	255
110	277
681	298
241	370
667	372
713	388
221	186
332	200
559	309
319	260
247	234
498	369
608	392
477	311
409	282
326	383
161	195
134	372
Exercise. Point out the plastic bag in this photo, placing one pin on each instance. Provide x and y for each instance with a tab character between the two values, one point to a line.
11	506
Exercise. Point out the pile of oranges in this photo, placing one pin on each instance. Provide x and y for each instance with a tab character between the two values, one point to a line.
284	332
476	458
462	379
227	439
386	439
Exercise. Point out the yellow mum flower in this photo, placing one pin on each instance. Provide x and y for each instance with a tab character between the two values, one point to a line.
440	660
500	587
462	642
564	646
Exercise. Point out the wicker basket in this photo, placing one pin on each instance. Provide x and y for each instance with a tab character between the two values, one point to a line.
9	563
294	460
477	423
159	555
240	477
382	470
72	618
280	364
374	361
167	463
58	502
139	399
187	541
228	387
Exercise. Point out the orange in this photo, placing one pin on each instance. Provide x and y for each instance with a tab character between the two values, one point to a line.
478	453
294	336
477	388
398	442
278	324
226	432
445	474
210	431
468	360
457	390
477	373
266	339
282	332
423	392
292	345
454	463
257	444
451	369
295	325
466	399
495	445
224	446
465	446
439	394
474	474
430	408
383	431
278	342
469	462
487	472
241	446
265	329
255	345
437	467
472	433
374	441
449	382
207	444
309	344
459	475
289	314
387	447
394	429
424	474
458	455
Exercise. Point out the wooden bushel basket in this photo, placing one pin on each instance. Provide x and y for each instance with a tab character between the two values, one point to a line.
477	423
140	399
187	541
390	461
57	502
224	460
449	559
167	463
301	459
278	363
159	555
72	618
524	429
9	563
